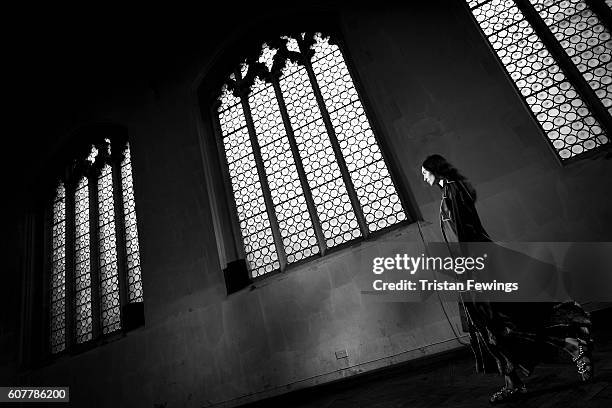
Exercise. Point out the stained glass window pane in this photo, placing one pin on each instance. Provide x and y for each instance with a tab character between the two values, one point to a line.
109	281
288	198
82	268
254	222
134	280
585	39
567	121
58	273
329	194
377	195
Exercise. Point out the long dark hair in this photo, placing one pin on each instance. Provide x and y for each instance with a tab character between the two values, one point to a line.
442	169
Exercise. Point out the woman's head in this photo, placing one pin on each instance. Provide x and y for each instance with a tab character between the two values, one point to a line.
439	168
436	167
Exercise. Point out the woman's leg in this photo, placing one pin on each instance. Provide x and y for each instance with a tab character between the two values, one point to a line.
581	351
569	328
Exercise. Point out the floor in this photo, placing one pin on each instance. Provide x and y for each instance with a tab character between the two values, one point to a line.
449	380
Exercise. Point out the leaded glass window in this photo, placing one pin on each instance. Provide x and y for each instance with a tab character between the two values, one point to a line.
305	168
131	231
558	53
57	308
82	269
91	284
107	245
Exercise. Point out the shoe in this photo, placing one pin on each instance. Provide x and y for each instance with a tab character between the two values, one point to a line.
507	394
584	363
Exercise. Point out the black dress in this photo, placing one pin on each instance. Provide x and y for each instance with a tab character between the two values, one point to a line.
508	336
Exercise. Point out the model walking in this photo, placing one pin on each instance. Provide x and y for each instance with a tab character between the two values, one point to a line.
506	337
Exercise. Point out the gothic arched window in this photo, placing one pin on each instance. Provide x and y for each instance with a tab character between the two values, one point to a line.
305	168
558	55
95	282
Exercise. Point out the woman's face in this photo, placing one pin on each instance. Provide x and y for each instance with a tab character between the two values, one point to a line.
428	176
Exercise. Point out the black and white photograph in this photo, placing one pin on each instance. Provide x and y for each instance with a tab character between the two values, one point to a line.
324	204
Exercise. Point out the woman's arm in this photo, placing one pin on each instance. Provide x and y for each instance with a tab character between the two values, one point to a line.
464	214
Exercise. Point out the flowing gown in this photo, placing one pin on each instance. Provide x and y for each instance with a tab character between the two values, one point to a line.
508	336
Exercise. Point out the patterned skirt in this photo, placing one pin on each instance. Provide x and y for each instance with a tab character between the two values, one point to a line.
514	336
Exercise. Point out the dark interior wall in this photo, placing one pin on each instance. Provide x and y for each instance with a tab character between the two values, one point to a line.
433	88
11	241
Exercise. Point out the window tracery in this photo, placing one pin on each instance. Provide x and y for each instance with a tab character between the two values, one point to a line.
305	168
93	212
